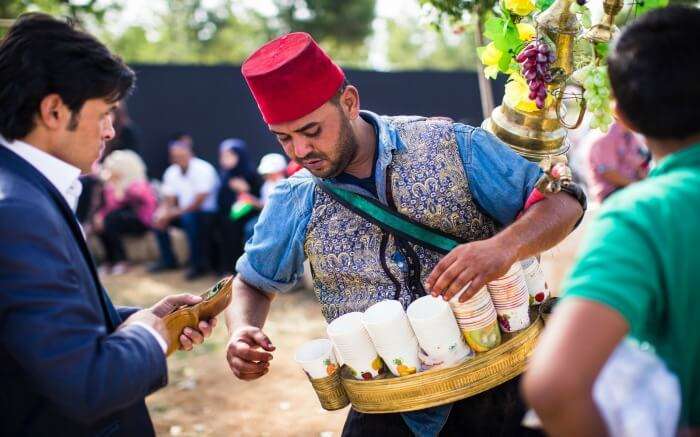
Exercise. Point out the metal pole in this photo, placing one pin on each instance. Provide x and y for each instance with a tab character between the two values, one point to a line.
485	91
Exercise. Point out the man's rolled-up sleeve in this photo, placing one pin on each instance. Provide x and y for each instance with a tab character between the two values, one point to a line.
274	257
500	180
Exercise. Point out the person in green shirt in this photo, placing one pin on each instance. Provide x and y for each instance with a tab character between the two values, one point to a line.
638	274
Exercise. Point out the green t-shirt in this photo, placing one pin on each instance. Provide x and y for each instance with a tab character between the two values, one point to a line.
642	258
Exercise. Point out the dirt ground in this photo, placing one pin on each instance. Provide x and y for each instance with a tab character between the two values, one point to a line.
203	397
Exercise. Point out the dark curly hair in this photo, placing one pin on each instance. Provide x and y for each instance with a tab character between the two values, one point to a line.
653	69
41	55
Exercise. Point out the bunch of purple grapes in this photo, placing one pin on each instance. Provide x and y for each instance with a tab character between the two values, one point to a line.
535	59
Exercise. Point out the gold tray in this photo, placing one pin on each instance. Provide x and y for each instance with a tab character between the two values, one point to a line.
443	386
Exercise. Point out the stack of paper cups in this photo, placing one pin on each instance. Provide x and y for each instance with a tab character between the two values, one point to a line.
393	337
476	319
354	347
511	299
536	284
439	337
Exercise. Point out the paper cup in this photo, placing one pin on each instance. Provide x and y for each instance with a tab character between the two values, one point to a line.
392	336
484	338
438	334
354	346
402	359
514	319
317	359
534	278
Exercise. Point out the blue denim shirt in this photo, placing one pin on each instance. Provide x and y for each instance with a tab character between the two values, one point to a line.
500	181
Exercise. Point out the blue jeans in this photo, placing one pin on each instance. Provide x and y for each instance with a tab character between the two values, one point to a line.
195	225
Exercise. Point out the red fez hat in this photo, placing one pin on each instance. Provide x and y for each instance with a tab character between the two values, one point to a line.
291	76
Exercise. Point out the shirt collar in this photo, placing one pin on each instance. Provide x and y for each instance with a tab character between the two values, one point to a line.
62	175
690	156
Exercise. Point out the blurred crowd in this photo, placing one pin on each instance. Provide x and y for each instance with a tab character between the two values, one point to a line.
216	207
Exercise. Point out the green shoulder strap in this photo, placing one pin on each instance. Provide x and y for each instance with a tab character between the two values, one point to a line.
391	221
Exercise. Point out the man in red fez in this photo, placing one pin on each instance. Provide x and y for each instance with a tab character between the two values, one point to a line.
447	176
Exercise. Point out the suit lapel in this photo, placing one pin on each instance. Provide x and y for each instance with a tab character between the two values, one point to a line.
29	173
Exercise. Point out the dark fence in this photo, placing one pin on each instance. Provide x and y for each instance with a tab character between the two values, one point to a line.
213	102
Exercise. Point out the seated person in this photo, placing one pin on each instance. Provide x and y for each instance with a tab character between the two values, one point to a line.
128	206
236	176
189	189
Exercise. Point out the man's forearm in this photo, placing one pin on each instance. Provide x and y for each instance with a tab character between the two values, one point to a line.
577	417
542	226
249	307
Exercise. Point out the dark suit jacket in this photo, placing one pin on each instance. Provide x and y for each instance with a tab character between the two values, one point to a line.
64	369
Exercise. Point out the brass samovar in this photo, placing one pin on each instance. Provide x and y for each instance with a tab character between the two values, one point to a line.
540	135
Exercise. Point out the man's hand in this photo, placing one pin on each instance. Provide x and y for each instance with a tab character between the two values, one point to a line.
98	224
239	185
189	336
243	356
163	217
470	265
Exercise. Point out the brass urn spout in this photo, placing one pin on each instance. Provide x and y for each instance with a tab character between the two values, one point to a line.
561	26
605	30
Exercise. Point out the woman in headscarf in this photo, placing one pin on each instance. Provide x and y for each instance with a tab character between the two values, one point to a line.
238	176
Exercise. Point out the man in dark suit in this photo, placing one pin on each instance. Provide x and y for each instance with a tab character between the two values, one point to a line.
70	362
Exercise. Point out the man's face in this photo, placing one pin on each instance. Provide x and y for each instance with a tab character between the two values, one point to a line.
322	142
82	140
180	154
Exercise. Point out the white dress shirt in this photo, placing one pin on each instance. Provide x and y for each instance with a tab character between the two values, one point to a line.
200	178
65	178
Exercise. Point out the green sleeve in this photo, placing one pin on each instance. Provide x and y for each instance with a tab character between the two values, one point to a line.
619	266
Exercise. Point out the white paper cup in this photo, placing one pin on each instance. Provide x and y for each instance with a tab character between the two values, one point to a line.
514	319
401	359
392	336
534	278
353	344
438	334
317	359
510	291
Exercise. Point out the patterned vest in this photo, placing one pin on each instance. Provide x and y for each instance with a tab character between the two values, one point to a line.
354	263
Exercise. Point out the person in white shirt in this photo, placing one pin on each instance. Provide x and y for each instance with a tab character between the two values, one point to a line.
189	202
72	362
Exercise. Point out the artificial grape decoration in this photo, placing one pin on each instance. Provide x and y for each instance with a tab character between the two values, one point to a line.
597	95
535	59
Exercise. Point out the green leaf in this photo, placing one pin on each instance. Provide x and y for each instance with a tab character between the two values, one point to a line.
601	49
541	5
504	63
493	28
643	6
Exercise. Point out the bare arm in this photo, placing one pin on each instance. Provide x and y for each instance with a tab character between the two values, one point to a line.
195	205
245	318
249	307
579	339
541	227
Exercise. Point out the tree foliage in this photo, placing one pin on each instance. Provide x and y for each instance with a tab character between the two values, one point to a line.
347	22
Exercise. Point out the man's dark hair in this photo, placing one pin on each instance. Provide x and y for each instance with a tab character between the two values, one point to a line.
336	97
653	69
41	55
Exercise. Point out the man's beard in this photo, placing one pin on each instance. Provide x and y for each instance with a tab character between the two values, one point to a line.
346	148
